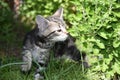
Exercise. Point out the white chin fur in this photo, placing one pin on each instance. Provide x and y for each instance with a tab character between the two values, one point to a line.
60	38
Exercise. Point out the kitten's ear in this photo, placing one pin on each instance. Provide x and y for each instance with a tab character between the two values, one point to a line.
40	20
59	13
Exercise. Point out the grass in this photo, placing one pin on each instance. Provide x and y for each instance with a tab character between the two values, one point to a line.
57	70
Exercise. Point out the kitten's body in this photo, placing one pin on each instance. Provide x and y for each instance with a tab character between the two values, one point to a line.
41	39
68	48
48	32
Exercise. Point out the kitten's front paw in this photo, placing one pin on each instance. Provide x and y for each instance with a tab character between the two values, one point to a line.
38	77
25	68
27	59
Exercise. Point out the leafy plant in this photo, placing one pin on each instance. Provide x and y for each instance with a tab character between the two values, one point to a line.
98	33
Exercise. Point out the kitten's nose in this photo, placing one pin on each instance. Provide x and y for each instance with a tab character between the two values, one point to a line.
65	32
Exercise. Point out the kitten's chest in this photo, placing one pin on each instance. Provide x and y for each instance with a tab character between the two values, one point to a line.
41	52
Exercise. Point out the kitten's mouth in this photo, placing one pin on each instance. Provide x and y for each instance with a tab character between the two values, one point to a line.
59	38
65	32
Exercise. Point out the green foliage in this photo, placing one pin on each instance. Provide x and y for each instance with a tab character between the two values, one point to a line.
98	29
95	24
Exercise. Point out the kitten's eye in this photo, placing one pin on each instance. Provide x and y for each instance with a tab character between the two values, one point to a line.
59	30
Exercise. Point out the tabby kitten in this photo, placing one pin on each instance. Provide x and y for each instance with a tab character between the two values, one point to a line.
41	39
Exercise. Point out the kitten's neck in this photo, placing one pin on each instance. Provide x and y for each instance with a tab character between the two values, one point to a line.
41	39
46	45
43	43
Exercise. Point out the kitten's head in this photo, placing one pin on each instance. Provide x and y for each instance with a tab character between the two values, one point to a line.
52	28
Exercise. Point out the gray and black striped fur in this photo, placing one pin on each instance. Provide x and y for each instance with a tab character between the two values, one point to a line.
38	42
49	32
68	49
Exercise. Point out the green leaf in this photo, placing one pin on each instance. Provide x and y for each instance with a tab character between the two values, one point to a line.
116	68
100	45
103	35
116	53
116	43
95	51
117	14
108	26
104	67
